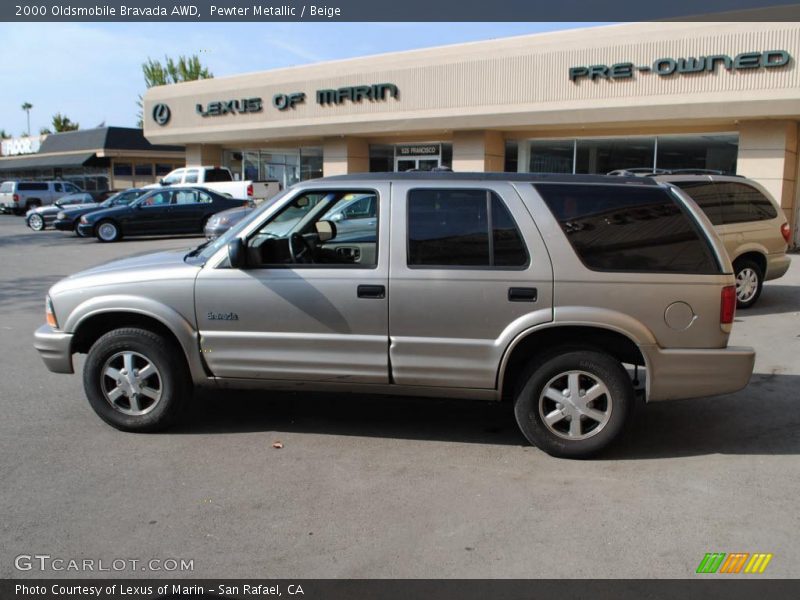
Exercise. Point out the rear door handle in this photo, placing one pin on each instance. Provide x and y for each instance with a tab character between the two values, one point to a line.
372	291
522	294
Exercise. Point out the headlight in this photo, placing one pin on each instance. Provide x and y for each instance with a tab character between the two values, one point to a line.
60	216
50	313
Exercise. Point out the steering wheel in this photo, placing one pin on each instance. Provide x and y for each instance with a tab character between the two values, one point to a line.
305	253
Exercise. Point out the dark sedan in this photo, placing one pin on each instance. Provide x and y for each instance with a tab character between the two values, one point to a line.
40	217
67	218
161	211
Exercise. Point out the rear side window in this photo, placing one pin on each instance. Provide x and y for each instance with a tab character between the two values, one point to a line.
32	187
462	228
215	175
706	197
742	203
629	229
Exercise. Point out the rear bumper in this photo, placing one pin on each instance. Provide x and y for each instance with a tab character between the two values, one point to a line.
675	374
54	348
777	265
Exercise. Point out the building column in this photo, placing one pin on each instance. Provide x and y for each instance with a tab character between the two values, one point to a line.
768	153
344	155
478	151
203	155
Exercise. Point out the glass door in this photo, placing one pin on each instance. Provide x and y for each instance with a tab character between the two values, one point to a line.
418	157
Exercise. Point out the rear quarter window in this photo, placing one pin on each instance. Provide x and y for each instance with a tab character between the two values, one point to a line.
742	203
32	187
217	175
629	229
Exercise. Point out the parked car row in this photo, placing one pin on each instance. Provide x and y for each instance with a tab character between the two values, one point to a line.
41	217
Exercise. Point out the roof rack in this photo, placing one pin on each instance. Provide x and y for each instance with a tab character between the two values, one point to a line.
645	172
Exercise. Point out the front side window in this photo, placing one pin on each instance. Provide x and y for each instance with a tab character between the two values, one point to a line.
462	228
618	228
174	177
157	199
306	232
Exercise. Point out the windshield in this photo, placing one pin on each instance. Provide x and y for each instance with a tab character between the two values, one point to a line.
122	198
207	249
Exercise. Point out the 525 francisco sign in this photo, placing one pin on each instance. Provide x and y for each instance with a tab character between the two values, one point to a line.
665	67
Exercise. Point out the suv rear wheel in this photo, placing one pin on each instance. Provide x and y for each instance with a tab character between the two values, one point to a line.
749	281
574	403
133	380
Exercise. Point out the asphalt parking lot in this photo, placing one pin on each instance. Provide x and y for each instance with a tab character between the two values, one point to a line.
370	487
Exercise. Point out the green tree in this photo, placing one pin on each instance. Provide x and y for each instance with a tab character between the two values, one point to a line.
27	106
186	68
4	134
62	123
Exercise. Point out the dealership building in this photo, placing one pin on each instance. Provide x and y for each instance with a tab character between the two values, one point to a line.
717	96
100	158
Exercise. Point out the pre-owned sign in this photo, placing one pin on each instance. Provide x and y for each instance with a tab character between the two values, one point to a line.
769	59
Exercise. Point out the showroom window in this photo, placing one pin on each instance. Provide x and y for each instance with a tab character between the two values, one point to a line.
715	152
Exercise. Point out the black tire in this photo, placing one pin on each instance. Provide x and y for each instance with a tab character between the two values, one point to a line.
76	229
591	366
36	222
100	229
746	270
171	380
31	204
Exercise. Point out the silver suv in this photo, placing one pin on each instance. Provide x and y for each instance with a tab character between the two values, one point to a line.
18	197
567	296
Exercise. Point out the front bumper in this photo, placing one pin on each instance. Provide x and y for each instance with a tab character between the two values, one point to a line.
86	230
674	374
777	265
54	348
64	224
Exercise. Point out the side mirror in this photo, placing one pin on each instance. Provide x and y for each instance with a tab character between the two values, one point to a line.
57	203
237	254
326	230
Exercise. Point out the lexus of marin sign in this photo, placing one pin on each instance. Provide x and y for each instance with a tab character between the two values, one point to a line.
374	93
770	59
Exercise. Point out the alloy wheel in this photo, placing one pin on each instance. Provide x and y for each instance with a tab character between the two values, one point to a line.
131	383
575	405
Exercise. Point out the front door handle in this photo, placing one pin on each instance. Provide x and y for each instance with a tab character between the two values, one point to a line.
377	292
522	294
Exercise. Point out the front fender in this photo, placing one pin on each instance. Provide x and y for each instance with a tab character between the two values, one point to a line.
180	327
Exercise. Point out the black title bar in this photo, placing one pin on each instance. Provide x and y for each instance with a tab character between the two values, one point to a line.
405	10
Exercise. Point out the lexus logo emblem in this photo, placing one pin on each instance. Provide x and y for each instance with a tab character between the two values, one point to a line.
161	114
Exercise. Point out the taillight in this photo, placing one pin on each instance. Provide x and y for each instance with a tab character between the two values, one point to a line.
15	198
786	232
250	189
727	305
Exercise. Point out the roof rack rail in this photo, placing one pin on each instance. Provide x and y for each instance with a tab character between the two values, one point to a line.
645	172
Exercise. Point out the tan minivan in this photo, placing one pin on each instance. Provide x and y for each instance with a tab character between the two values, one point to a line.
751	224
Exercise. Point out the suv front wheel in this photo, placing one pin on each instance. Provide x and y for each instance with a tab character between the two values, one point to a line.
574	403
134	380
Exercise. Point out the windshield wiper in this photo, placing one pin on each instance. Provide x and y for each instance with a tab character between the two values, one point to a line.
196	251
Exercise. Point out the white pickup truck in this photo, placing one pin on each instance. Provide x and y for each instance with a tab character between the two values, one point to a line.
220	179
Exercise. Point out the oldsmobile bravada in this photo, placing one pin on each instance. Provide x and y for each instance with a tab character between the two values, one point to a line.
566	296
